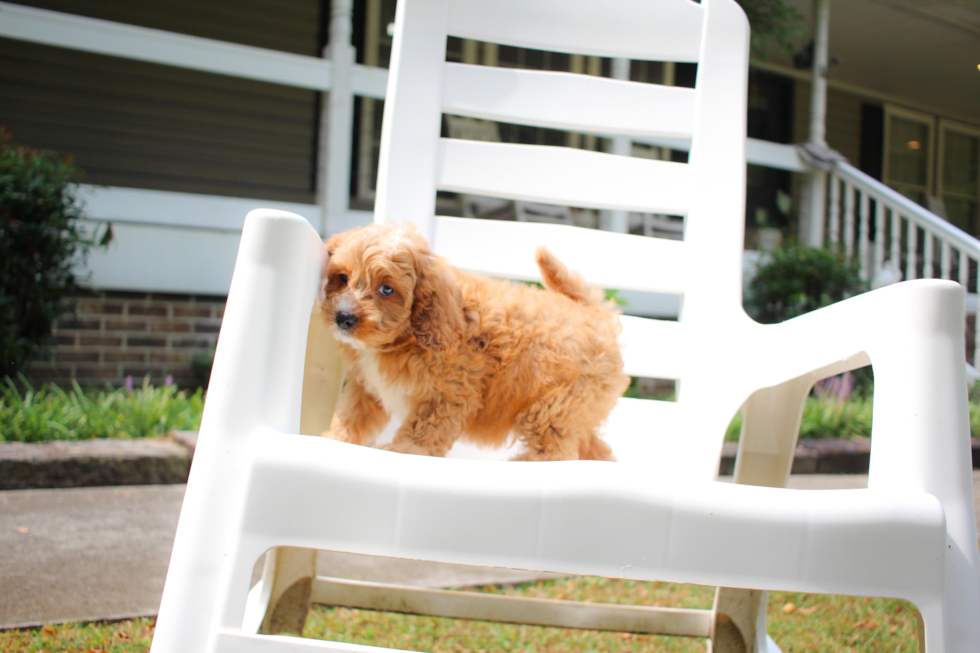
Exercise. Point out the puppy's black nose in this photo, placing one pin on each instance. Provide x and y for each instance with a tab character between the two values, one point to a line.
346	320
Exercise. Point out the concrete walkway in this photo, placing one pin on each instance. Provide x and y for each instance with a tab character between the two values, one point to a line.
86	554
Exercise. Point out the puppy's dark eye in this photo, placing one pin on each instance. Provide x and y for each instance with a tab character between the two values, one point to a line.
386	290
342	278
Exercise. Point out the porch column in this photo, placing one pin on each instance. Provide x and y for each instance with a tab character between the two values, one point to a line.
336	123
618	221
815	194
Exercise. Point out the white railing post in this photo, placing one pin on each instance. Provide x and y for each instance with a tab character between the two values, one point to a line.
834	212
848	220
337	123
896	244
618	221
944	262
912	245
879	243
863	233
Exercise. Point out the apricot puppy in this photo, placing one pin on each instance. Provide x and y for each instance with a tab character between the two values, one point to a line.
456	355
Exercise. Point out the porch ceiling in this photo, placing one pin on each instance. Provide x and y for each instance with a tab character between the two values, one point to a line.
924	51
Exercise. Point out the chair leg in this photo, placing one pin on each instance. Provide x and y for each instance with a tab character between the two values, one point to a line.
292	585
739	621
770	424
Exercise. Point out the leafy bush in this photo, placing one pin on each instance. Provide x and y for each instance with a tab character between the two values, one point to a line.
51	413
793	280
825	417
772	20
40	244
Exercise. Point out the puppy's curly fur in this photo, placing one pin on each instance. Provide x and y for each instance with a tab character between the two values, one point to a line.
462	355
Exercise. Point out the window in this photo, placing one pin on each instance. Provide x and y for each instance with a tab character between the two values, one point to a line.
909	153
958	179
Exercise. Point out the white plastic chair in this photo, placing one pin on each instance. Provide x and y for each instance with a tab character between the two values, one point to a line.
658	514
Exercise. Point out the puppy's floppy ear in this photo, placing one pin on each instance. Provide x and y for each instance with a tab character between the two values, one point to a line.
334	242
437	313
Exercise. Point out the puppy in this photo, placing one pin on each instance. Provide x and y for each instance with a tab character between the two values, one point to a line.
462	355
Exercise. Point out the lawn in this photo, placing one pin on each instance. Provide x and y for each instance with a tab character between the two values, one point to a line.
798	622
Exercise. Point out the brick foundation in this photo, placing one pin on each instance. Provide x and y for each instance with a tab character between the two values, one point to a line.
108	336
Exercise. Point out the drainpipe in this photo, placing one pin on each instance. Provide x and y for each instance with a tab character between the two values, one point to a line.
815	193
617	220
336	123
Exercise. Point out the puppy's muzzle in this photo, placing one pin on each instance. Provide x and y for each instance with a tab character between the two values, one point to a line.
345	320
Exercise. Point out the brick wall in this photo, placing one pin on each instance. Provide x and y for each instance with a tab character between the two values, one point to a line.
108	336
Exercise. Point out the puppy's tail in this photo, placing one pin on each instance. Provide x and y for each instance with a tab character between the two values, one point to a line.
560	279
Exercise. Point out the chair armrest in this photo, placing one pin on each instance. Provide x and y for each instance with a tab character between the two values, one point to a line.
912	333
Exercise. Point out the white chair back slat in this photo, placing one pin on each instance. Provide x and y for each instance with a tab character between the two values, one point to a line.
944	260
643	429
413	116
657	30
654	349
554	100
563	175
506	249
415	162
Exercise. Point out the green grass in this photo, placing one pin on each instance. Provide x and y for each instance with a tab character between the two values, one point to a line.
52	413
817	623
130	636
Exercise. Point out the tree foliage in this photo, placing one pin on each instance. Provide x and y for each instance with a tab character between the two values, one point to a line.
772	21
40	245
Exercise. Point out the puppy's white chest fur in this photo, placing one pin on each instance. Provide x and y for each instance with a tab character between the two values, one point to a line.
391	395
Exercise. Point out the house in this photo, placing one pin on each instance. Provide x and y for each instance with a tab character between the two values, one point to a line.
183	119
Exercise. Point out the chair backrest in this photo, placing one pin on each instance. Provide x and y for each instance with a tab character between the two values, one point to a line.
708	191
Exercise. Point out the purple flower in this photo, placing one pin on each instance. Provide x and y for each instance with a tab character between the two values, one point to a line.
168	380
129	384
836	387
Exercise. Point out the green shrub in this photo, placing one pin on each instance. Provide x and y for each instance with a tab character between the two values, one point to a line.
40	245
793	280
772	21
825	417
52	413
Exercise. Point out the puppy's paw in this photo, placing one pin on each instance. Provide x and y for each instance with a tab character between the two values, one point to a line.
405	446
340	436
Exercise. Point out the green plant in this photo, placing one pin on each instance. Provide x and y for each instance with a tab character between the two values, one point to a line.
772	20
201	365
828	417
793	280
40	245
52	413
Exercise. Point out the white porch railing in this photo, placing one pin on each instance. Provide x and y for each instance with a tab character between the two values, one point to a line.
201	215
894	238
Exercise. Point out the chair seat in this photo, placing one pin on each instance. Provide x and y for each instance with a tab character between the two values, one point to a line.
586	517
